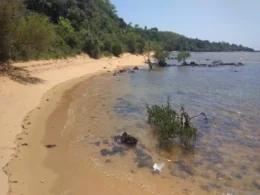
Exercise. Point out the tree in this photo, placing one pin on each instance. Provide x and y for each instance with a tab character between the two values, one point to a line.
117	49
182	56
11	12
148	49
32	36
161	55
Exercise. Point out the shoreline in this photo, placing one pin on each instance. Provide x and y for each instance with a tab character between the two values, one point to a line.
59	170
19	99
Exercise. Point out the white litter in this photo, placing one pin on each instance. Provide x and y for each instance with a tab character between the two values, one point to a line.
158	167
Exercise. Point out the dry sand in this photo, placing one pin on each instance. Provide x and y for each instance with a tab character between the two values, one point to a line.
20	95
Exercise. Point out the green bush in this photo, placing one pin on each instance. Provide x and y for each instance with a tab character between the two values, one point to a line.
33	35
92	48
182	56
170	125
117	49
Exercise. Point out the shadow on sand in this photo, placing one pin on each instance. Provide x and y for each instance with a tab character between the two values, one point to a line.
19	74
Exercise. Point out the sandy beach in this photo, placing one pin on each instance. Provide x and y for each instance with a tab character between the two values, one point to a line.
20	95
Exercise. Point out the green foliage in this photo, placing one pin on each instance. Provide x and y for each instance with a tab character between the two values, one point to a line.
59	28
176	42
170	125
32	35
10	14
117	49
160	55
182	56
148	49
92	48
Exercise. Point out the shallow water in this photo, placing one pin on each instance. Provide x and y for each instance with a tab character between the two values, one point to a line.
226	158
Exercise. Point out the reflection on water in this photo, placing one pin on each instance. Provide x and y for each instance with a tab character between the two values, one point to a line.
226	158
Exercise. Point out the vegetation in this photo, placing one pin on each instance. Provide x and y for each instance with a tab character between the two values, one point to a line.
33	29
176	42
160	55
182	56
170	125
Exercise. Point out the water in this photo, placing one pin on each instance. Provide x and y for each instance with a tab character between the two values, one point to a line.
226	158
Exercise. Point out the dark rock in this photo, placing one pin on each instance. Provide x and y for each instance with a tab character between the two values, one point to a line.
122	70
51	146
126	139
47	100
24	144
240	64
136	68
193	63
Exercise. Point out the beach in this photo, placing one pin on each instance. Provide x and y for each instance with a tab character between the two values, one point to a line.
61	118
19	96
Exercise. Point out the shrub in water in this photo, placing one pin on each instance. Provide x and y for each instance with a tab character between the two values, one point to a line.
170	125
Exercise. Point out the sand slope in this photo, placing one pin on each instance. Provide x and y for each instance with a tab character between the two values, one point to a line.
19	95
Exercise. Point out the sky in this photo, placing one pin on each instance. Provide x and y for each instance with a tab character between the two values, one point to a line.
233	21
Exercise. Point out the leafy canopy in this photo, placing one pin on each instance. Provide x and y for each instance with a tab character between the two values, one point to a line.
182	56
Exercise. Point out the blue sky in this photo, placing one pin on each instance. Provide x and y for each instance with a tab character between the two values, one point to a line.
234	21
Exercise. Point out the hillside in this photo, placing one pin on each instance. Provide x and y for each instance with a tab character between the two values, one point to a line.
59	28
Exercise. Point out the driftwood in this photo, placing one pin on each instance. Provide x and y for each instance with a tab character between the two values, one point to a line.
185	118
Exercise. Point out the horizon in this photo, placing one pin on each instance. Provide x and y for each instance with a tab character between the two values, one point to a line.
198	19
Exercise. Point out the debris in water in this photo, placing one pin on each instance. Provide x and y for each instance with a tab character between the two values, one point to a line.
51	146
126	139
158	167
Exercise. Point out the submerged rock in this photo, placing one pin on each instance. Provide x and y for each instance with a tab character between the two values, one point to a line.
143	159
126	139
115	150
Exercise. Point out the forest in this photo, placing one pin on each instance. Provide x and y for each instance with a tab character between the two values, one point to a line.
44	29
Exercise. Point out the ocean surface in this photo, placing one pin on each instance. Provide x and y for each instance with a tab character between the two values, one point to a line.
226	157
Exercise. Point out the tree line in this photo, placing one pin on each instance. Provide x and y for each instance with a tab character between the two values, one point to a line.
42	29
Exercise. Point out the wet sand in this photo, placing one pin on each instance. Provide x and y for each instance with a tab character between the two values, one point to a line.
21	92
